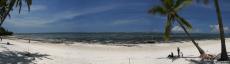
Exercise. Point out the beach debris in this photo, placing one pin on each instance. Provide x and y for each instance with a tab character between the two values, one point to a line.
27	54
7	43
150	41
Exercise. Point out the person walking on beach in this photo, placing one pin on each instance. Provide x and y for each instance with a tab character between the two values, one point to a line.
29	40
1	38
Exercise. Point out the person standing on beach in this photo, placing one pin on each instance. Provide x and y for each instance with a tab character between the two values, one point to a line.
1	38
178	51
29	40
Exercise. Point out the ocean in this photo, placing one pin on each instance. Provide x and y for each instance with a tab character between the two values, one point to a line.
111	37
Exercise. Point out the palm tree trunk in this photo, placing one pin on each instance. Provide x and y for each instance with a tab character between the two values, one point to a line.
201	51
224	55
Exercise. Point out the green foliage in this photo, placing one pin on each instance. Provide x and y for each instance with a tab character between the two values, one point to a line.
184	22
7	6
181	3
170	9
158	9
4	32
167	3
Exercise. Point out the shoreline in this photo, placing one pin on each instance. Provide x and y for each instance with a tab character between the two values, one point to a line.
109	42
112	38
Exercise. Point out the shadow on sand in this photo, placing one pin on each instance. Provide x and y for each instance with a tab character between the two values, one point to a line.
192	61
17	57
7	43
197	60
14	57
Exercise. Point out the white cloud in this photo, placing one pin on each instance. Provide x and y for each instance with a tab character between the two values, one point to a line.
177	29
71	14
160	17
38	7
196	30
120	22
26	22
25	18
30	20
215	28
129	20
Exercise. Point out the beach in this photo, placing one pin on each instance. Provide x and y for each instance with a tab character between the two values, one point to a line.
79	53
114	32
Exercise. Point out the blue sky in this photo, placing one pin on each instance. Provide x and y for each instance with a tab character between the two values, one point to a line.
109	16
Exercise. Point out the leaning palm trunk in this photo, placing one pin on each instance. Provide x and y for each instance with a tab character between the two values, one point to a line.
224	55
201	51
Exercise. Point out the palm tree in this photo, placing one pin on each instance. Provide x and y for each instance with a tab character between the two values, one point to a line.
170	9
224	55
7	5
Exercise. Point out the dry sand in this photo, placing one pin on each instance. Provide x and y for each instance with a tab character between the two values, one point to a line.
109	54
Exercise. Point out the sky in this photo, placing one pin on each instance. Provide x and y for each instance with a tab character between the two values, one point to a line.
110	16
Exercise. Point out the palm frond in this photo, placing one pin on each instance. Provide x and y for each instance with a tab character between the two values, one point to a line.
178	3
168	3
2	3
29	3
20	5
181	3
184	22
158	9
7	6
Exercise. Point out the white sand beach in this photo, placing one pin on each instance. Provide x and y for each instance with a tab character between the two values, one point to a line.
106	54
